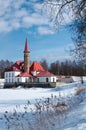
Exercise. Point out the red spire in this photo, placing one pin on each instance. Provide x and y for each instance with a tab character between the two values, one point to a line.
26	47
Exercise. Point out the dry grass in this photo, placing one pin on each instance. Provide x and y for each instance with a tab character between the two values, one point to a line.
46	113
79	91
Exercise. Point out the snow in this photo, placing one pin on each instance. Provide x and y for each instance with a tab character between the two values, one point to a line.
18	107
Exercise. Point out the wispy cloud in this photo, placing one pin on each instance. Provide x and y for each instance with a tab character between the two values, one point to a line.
34	19
45	30
18	14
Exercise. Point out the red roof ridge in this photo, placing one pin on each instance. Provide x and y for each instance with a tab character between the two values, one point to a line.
25	74
45	74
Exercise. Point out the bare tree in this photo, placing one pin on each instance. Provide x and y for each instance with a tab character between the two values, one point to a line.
74	10
79	37
44	64
3	65
59	10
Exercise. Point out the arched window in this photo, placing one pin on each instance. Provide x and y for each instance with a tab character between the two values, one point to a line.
46	79
30	80
26	80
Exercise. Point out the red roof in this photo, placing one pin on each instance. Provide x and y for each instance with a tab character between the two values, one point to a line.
26	47
18	62
36	67
25	74
16	66
45	74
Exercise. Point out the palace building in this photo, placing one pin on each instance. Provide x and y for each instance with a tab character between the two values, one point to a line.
24	72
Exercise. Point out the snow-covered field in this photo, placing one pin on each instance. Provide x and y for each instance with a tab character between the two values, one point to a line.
57	108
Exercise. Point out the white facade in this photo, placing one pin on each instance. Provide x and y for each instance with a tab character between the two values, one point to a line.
2	81
46	79
23	79
10	77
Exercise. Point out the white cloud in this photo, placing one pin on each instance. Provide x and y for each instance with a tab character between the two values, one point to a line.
4	26
38	7
17	14
20	14
45	30
34	19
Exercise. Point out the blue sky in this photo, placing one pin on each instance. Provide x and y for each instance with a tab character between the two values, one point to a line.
22	18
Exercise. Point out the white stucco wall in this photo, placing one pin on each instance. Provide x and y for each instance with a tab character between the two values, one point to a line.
2	83
23	79
53	79
44	79
10	76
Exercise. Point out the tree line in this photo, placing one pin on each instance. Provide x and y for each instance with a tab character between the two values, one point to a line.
67	68
4	64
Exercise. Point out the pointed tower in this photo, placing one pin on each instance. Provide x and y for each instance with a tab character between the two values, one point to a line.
26	57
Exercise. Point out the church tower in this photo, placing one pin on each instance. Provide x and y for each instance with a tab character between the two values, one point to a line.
26	57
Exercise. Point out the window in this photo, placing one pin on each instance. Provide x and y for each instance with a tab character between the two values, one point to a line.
9	80
30	79
6	80
18	80
38	80
12	80
46	79
9	74
12	74
26	80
